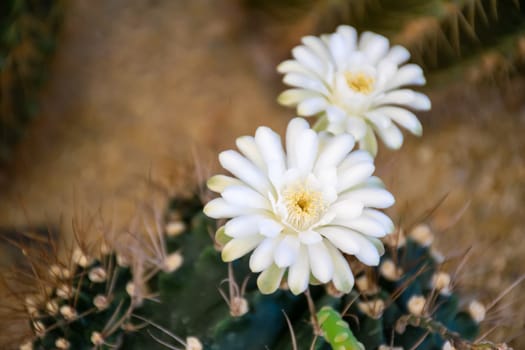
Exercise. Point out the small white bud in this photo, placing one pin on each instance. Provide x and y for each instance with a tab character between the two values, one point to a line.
64	291
416	305
441	282
193	343
97	339
39	328
238	306
122	260
390	271
366	286
448	346
80	258
477	311
68	312
172	262
52	307
422	235
101	302
372	308
62	343
175	228
131	289
97	275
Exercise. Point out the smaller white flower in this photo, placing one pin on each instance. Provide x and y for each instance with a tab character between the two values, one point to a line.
355	85
301	209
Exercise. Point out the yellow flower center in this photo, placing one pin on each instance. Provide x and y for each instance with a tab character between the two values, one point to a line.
304	206
360	82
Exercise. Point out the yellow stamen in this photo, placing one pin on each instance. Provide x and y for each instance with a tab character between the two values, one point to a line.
304	206
360	82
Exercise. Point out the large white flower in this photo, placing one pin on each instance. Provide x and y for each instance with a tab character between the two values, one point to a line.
354	85
302	209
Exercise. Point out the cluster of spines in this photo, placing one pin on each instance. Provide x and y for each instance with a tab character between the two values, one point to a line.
87	307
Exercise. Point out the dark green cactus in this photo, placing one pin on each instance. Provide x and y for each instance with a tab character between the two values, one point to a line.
203	303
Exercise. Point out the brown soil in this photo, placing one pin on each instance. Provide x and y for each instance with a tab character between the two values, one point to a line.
139	89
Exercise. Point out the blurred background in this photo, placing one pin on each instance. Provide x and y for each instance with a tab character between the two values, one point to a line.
106	103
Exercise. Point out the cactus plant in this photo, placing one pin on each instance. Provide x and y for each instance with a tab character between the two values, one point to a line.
102	303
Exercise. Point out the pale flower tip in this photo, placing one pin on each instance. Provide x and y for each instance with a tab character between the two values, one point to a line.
221	238
286	99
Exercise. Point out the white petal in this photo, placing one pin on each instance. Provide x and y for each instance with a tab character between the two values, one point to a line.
369	142
269	144
403	117
269	227
293	133
218	208
248	147
239	247
349	35
347	209
363	224
311	106
292	66
262	256
343	278
409	74
242	226
218	183
245	170
378	119
374	46
242	195
368	253
405	97
270	279
336	149
338	50
321	262
351	176
320	49
391	136
356	127
356	158
370	197
397	54
306	150
292	97
344	239
299	272
287	251
308	59
305	82
377	244
310	237
380	217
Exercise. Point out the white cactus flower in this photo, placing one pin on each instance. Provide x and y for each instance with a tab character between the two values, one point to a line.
301	209
355	86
